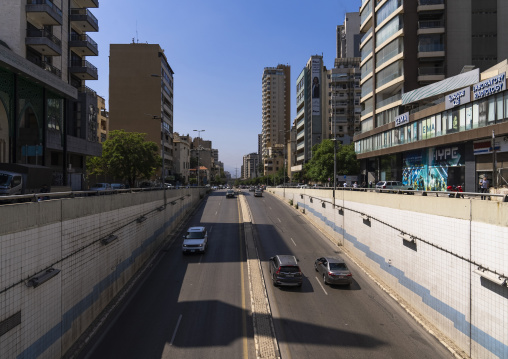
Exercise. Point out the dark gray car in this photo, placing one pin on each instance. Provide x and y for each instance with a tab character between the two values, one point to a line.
284	270
333	271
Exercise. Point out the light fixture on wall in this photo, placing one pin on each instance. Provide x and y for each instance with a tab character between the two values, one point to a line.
160	209
108	239
365	217
407	237
141	219
493	277
42	277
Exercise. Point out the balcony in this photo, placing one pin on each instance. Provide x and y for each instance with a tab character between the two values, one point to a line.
431	27
84	70
388	101
83	20
83	45
43	42
43	12
431	50
431	74
45	66
87	3
430	5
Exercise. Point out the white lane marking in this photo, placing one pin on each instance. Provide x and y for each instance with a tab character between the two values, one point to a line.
216	212
269	207
176	329
323	288
211	228
279	220
293	241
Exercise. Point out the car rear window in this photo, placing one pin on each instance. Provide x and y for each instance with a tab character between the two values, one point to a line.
195	235
289	269
338	266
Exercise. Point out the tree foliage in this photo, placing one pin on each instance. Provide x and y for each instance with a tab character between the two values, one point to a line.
126	156
320	167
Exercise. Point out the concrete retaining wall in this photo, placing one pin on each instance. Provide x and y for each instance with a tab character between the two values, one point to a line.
434	275
46	320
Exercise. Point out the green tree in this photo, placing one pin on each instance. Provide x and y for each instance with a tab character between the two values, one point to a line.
126	156
320	167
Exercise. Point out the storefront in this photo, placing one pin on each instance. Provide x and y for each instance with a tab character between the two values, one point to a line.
435	168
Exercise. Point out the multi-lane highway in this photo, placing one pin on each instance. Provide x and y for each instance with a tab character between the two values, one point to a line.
199	306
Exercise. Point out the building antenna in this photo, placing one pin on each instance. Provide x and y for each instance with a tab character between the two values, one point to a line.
137	38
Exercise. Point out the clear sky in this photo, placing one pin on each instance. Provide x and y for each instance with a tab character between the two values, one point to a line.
218	50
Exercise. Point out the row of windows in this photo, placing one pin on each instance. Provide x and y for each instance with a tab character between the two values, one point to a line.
485	112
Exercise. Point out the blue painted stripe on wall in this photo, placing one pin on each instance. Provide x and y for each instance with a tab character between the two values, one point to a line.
490	343
49	338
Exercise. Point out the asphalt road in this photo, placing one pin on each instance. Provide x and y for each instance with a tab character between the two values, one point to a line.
198	306
323	321
189	306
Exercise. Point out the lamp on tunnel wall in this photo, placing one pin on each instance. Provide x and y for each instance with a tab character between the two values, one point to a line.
491	276
42	277
408	238
108	239
141	219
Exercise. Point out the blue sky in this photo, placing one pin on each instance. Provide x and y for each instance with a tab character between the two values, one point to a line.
218	50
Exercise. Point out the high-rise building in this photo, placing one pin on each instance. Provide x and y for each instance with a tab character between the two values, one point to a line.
310	121
413	55
141	95
276	106
250	166
348	36
407	44
48	116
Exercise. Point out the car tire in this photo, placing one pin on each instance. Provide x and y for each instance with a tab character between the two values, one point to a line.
274	283
315	267
324	279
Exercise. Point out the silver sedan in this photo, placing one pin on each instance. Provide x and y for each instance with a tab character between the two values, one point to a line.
333	271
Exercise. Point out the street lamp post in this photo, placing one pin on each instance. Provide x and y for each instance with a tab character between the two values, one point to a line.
163	170
334	150
199	145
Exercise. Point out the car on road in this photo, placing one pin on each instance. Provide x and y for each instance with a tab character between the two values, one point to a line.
230	193
285	271
103	187
258	193
333	271
252	189
195	240
393	185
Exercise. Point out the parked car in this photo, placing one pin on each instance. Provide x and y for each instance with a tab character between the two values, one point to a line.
393	185
258	193
284	270
117	186
333	271
101	187
195	240
230	193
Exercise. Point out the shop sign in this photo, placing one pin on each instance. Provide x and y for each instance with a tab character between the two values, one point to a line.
485	146
489	87
458	98
402	119
446	156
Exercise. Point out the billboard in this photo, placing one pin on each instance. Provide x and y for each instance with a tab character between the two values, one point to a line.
315	72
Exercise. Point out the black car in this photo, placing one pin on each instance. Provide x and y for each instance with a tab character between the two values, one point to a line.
284	270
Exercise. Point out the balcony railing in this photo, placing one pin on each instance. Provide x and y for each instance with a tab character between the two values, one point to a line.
430	24
430	71
45	34
45	2
430	2
87	13
367	110
389	100
45	66
83	37
431	47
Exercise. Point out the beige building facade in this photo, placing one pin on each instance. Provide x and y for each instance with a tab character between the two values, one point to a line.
141	95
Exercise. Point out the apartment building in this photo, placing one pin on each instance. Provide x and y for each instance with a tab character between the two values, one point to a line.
276	105
141	96
181	155
311	120
103	119
48	116
250	166
408	45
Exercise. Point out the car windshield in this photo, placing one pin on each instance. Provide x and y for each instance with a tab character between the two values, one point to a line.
338	266
380	184
98	185
289	269
5	180
195	235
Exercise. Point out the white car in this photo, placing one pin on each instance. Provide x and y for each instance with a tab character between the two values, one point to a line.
195	240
